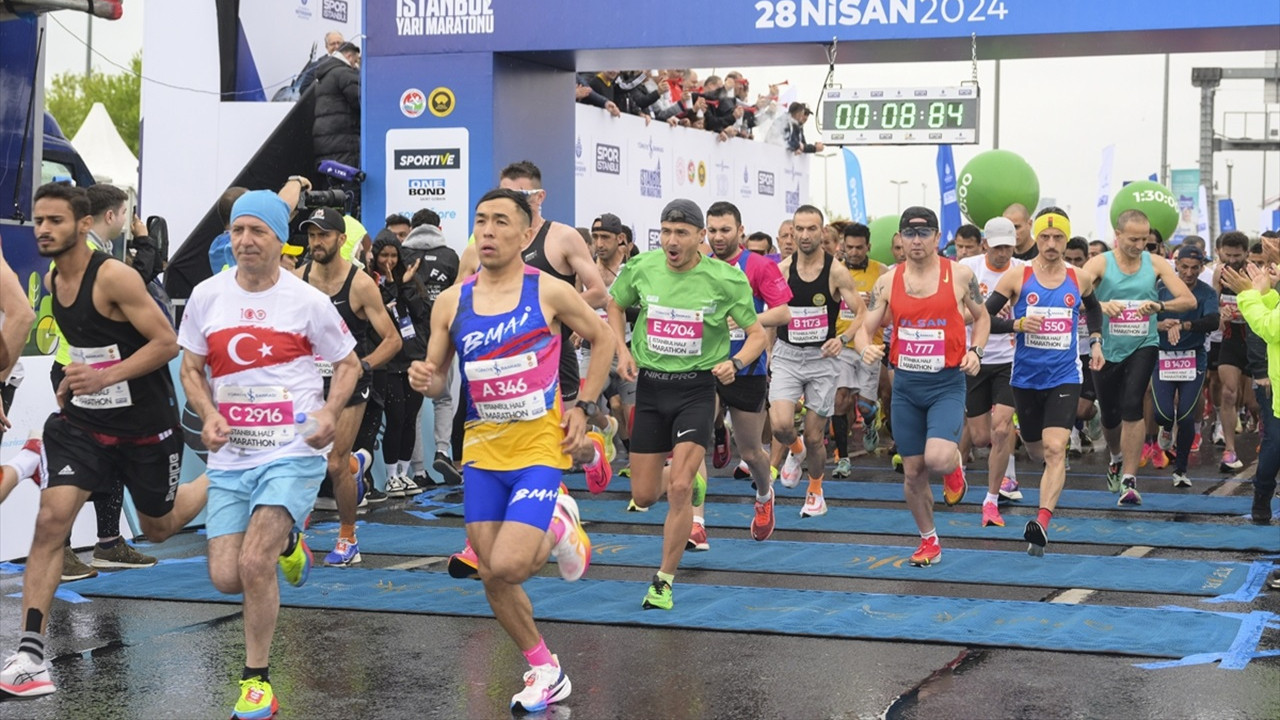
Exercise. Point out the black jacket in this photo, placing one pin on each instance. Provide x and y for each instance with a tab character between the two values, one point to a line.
405	302
336	131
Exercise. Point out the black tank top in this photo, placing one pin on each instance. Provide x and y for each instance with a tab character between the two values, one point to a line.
811	293
342	302
536	256
136	408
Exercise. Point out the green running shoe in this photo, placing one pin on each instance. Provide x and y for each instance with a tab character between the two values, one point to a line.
659	595
699	490
296	564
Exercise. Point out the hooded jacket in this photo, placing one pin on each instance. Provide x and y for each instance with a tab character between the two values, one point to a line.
405	302
439	267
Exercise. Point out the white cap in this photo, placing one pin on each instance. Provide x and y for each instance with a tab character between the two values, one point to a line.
1000	232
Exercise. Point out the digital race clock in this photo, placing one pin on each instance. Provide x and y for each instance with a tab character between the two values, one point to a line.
900	116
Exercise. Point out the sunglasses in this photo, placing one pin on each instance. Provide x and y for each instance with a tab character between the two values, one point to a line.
923	233
531	193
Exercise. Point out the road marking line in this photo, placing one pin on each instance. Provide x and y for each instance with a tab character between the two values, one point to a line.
1075	596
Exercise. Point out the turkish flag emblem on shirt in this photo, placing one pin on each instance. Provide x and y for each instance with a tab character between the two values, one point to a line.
237	349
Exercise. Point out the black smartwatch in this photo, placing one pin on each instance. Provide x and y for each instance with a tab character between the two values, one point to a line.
588	408
977	350
366	367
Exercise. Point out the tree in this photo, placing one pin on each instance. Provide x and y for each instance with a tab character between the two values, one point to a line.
71	95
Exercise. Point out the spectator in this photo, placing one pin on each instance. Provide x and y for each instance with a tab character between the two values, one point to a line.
598	90
786	239
629	242
332	41
798	114
336	130
399	226
637	92
109	206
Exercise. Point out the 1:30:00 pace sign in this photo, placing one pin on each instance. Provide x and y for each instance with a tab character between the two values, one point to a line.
900	116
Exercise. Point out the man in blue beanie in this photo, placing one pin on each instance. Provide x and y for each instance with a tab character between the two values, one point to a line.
252	339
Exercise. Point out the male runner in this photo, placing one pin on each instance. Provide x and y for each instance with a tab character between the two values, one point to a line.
1180	366
925	299
968	241
680	342
804	363
1125	282
989	397
857	384
747	394
1048	296
610	246
251	338
1076	255
359	303
117	418
1233	252
503	323
786	240
1026	248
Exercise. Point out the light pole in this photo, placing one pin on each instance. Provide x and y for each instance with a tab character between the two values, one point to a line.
826	180
924	194
1230	166
899	183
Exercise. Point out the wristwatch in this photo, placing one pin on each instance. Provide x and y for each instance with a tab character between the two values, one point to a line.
588	408
976	350
737	364
365	367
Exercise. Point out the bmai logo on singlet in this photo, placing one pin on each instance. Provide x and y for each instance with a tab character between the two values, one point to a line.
495	334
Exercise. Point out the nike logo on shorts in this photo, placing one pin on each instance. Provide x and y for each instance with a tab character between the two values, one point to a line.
682	433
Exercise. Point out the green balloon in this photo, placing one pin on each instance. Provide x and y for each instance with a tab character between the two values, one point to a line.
1153	199
992	181
882	231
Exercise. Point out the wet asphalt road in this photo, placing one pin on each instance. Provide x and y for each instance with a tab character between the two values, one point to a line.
149	659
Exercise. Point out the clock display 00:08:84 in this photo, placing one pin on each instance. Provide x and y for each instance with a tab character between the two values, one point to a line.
902	114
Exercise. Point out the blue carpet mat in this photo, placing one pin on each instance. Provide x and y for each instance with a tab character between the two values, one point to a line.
1185	535
1149	632
1239	582
1165	502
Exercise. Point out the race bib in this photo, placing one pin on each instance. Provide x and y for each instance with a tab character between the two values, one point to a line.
261	418
1082	334
324	367
509	389
1055	328
921	349
737	334
845	313
808	324
1130	323
673	331
112	396
1177	365
1230	308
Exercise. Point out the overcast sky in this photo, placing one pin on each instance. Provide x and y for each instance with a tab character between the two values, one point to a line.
1058	114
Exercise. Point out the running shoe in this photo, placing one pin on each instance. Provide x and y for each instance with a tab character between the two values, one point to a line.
1160	460
1009	489
609	433
793	468
991	515
928	553
443	465
257	701
743	471
543	685
374	495
762	524
1073	443
573	552
1180	479
814	505
897	463
600	472
633	507
1164	440
720	454
1036	538
361	460
843	469
1148	453
395	487
1230	462
659	595
1113	477
1129	494
23	677
73	568
871	438
465	564
954	486
345	553
409	487
296	565
120	555
1195	444
36	445
699	490
1218	438
697	538
625	472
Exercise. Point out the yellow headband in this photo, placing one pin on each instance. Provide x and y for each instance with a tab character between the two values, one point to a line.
1051	220
294	250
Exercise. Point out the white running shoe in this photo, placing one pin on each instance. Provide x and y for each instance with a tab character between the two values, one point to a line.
23	677
814	505
573	552
543	685
793	468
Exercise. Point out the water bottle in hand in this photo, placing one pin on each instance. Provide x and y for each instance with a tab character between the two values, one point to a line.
305	426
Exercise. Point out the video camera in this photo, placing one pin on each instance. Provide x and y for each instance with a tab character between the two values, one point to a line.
322	198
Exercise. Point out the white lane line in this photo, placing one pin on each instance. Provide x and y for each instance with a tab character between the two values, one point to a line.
415	563
1075	596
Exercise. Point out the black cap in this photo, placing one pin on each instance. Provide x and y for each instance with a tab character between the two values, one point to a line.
919	216
1189	251
793	107
326	219
349	47
609	223
685	211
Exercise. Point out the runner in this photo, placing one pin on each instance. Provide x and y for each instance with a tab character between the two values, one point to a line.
1232	360
1026	247
609	245
925	299
968	241
1048	297
359	303
1125	283
502	322
117	421
857	384
989	397
680	343
1179	376
747	394
804	363
1077	254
